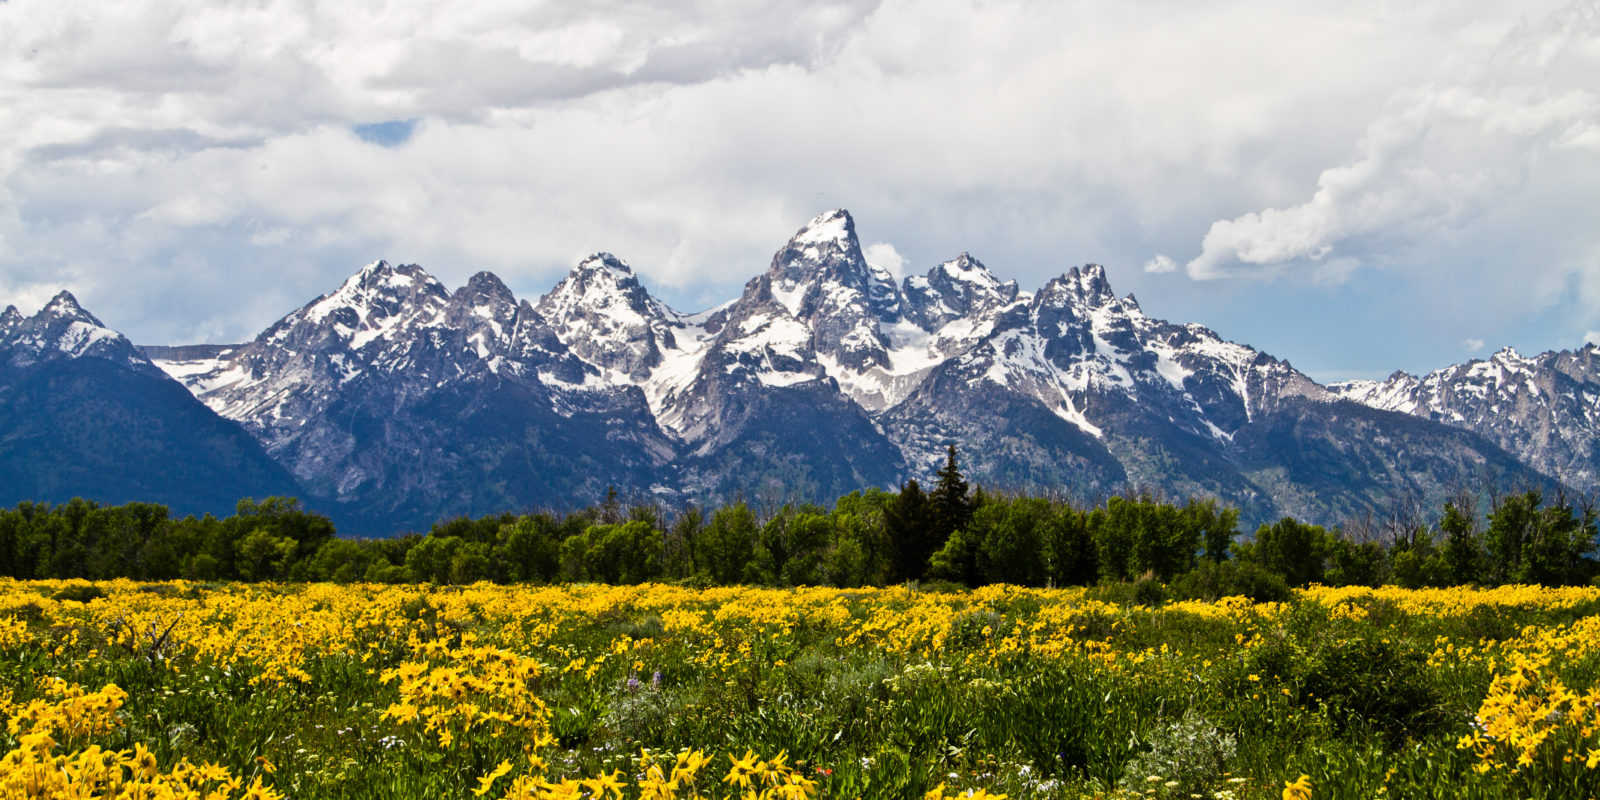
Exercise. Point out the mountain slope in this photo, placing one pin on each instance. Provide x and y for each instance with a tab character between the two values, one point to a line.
1113	397
403	402
83	413
606	318
764	409
748	391
1544	409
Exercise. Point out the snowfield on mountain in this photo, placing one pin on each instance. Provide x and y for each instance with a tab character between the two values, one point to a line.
394	401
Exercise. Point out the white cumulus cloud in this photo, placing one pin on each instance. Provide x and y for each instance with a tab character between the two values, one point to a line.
193	170
1160	264
883	256
1441	156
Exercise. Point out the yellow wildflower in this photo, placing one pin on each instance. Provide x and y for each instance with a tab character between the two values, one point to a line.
1298	790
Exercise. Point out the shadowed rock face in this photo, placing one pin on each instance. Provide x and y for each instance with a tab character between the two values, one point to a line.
83	413
9	320
394	401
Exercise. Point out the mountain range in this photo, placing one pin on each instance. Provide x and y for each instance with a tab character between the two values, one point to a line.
393	401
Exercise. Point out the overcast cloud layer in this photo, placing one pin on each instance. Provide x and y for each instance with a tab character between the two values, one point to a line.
1357	187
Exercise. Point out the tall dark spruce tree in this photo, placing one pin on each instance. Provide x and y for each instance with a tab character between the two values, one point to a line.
908	525
952	506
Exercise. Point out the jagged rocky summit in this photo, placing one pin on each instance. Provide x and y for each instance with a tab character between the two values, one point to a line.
394	401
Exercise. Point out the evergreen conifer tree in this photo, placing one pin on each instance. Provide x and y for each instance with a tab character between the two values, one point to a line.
952	507
907	523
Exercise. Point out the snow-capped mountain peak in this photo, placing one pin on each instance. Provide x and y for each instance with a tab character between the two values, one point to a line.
1078	349
822	271
368	309
605	265
828	240
967	269
382	321
483	288
1088	284
1544	408
601	281
835	227
486	314
959	288
375	282
607	318
63	329
821	309
1394	393
64	305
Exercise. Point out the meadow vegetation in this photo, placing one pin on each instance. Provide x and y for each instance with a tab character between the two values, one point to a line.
186	689
896	645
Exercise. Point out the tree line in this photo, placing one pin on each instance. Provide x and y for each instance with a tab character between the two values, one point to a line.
949	534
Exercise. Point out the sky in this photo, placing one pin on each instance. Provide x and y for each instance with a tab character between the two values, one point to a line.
1356	187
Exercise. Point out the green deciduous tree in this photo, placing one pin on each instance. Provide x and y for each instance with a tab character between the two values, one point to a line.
262	556
1463	545
1532	543
1290	548
725	549
529	549
1069	552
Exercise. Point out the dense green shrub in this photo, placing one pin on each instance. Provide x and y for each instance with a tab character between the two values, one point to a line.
82	593
1375	683
1212	580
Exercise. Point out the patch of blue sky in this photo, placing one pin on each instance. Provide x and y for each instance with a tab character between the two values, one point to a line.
392	133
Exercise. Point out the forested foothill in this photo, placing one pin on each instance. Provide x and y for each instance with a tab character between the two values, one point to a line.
949	535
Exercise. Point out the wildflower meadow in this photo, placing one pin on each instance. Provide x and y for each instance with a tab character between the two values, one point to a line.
191	690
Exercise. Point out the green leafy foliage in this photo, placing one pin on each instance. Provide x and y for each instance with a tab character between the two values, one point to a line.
952	534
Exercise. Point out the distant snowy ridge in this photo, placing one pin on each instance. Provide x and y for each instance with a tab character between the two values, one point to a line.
1544	408
825	375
